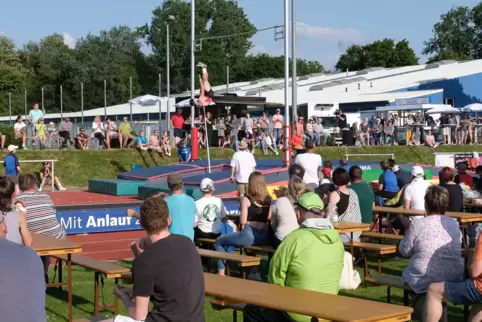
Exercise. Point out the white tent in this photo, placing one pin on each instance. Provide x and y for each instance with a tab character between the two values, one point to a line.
476	107
150	100
443	109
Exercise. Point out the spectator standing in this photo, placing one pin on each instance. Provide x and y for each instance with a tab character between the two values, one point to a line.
12	166
83	139
33	117
297	262
248	124
312	163
177	123
21	278
242	165
278	126
41	129
182	208
168	273
20	132
365	133
444	124
264	123
125	131
51	134
433	244
365	194
65	131
41	213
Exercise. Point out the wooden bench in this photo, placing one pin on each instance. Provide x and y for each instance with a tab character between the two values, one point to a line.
379	249
254	248
390	282
375	235
101	268
228	291
92	319
243	260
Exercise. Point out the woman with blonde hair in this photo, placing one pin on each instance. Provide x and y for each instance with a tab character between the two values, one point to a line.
98	130
284	219
254	218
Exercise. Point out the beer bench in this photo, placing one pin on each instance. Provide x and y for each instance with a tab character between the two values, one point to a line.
101	268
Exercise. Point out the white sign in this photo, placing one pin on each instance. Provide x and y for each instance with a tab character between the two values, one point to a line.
412	101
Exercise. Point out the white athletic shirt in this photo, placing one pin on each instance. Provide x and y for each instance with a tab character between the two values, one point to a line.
210	211
415	193
243	163
311	163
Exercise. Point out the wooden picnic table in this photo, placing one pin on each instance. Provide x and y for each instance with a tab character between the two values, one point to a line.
462	217
315	304
350	227
49	246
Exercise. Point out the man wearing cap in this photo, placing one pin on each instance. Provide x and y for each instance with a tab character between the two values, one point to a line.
210	212
312	164
23	285
182	208
65	130
12	166
403	177
242	165
297	262
125	131
277	126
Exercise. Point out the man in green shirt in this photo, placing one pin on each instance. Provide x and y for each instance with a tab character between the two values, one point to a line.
309	258
126	131
365	194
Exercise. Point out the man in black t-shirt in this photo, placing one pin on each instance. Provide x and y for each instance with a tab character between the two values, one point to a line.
168	272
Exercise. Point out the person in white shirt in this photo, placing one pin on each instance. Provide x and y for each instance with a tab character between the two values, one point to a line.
413	198
312	163
20	131
98	130
269	143
242	165
210	212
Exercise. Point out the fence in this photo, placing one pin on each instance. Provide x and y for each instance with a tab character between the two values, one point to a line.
38	161
392	155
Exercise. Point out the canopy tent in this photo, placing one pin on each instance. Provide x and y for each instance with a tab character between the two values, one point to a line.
417	107
475	107
150	100
443	109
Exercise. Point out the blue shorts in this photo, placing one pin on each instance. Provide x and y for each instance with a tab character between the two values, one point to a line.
462	293
178	133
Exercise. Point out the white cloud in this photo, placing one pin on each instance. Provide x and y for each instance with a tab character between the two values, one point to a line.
342	34
69	41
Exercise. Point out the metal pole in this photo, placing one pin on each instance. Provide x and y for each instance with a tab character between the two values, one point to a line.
105	100
227	79
168	82
193	47
287	75
294	85
10	106
82	102
61	102
25	99
160	83
130	96
43	108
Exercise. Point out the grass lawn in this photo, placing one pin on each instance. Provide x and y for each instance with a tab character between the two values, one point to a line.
83	294
75	167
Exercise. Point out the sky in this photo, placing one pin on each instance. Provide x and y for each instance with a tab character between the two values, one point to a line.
324	28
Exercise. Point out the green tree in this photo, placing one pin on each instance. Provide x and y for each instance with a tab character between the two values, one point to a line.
381	53
457	35
12	76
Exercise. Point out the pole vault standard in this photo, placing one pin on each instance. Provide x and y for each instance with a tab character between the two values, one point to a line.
287	134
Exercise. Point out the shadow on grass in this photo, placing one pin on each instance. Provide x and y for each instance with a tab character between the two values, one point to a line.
120	168
62	295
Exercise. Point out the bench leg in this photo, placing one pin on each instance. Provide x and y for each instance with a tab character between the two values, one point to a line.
466	312
235	316
116	300
379	264
59	268
96	293
365	263
389	293
406	298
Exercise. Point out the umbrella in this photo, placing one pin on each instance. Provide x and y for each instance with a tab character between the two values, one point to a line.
475	107
443	109
146	100
186	103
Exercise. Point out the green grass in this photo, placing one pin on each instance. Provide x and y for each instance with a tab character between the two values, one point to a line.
83	293
76	167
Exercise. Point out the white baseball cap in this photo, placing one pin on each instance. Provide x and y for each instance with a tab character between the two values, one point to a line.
395	168
417	171
207	185
12	148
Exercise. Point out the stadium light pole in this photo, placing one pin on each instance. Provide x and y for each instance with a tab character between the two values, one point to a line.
287	75
168	78
193	47
294	83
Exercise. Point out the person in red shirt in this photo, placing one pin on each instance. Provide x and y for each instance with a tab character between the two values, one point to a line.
297	142
177	122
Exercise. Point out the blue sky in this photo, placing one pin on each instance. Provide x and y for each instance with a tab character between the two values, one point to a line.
325	28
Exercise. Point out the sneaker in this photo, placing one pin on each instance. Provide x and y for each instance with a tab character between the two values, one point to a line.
39	189
202	65
62	188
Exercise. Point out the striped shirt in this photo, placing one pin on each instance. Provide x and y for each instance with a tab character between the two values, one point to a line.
41	214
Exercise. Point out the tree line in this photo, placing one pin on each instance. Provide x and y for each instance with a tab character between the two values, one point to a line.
118	54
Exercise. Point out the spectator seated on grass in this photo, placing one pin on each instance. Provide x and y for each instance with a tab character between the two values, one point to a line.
40	130
20	131
46	177
297	262
125	131
65	132
141	142
112	133
183	151
297	143
23	287
168	273
166	143
83	139
433	244
154	142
